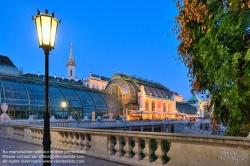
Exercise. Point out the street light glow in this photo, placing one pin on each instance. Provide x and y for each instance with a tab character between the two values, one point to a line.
46	26
63	104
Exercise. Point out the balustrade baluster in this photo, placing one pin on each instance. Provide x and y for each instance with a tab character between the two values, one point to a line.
89	140
127	148
69	140
18	132
118	146
80	141
111	145
74	140
60	138
39	134
36	134
65	137
31	134
160	152
147	151
137	150
86	142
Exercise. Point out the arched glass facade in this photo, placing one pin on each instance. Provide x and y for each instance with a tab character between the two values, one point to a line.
125	90
36	98
16	96
25	96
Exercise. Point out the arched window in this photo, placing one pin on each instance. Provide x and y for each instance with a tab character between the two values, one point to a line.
102	87
146	106
71	72
153	106
164	107
97	86
93	86
159	106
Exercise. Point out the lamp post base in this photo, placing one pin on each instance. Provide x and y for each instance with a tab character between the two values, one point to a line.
46	141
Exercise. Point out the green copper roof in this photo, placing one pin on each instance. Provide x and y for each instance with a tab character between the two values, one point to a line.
194	98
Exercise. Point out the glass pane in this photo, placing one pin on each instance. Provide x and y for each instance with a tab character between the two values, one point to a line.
15	93
46	21
110	102
86	99
160	94
39	30
56	97
53	32
100	112
99	101
164	93
154	93
122	84
72	97
147	90
36	94
37	110
133	93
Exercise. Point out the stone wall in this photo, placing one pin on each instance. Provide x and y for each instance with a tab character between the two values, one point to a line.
126	146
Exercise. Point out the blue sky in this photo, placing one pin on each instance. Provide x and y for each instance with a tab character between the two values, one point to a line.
129	36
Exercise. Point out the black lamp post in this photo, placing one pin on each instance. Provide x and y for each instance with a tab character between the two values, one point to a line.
46	26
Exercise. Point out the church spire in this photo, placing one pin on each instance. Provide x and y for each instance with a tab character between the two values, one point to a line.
71	64
71	61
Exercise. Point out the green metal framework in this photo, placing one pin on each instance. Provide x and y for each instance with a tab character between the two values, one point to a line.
25	96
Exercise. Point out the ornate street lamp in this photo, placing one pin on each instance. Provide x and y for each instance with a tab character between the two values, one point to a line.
46	26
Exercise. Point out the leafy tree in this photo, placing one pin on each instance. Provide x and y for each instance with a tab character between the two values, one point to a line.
214	44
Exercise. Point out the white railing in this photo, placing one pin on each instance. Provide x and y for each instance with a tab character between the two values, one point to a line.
141	148
105	124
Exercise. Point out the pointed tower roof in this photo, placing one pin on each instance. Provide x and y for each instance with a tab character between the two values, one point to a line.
194	98
71	61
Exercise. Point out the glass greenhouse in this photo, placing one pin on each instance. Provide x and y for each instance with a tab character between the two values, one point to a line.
25	96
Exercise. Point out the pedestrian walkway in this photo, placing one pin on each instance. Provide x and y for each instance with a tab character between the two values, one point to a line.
25	157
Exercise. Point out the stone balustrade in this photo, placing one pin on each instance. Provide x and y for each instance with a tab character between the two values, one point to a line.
36	135
141	148
60	124
102	124
18	132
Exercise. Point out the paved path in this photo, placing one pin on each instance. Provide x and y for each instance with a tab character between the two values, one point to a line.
7	146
